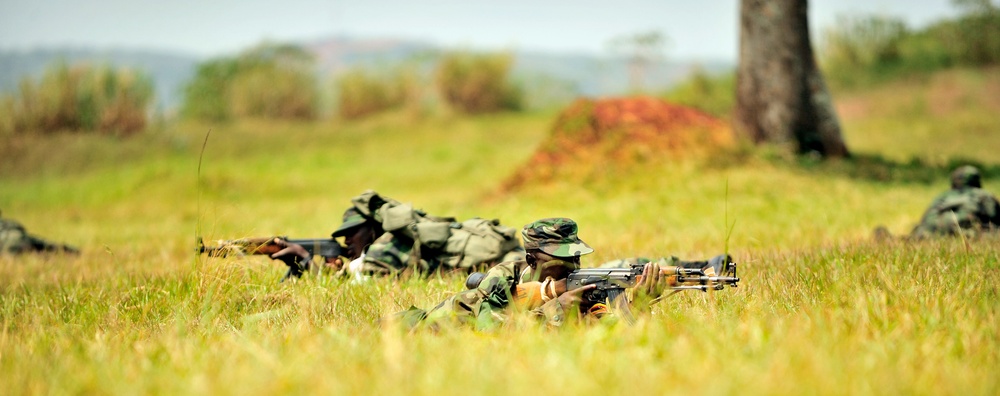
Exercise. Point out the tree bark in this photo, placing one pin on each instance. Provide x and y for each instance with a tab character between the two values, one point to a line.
780	93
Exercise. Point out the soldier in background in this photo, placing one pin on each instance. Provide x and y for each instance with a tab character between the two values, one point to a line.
14	239
965	209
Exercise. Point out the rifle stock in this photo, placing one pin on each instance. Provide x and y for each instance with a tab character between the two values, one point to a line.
325	247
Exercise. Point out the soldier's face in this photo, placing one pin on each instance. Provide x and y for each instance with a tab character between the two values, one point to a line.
546	265
357	240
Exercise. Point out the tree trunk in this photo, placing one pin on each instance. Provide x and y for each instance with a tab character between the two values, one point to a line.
780	94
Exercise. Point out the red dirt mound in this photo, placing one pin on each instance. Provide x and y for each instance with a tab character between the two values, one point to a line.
592	134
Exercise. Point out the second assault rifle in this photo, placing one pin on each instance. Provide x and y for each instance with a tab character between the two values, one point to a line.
326	247
610	283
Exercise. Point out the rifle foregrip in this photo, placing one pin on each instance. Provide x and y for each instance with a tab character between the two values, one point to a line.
267	249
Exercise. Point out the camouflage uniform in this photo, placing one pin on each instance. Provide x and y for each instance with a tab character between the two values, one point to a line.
487	306
964	209
423	243
15	240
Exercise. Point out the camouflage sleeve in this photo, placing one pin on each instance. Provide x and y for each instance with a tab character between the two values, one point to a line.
551	313
386	255
991	211
484	307
13	239
926	227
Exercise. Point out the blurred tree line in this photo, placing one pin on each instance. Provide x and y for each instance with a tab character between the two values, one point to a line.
267	81
79	98
278	82
467	82
273	81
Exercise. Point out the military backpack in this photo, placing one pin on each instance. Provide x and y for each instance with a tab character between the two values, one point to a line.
425	243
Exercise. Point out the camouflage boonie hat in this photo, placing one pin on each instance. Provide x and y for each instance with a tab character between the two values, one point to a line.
352	218
966	176
554	236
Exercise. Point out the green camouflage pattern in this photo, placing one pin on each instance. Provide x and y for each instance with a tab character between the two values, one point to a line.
352	218
555	236
369	202
965	176
13	238
393	254
485	307
390	254
419	243
967	211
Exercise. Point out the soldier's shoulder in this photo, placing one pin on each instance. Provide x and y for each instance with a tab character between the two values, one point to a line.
980	193
501	275
968	198
8	224
953	199
949	195
507	267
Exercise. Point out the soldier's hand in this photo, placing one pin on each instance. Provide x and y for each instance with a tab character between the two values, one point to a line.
290	252
652	286
573	297
335	264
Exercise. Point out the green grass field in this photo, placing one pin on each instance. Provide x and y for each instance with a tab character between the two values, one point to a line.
821	308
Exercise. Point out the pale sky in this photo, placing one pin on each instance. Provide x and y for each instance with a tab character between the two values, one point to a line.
706	29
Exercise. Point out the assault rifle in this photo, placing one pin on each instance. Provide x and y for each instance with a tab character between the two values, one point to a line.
325	247
610	283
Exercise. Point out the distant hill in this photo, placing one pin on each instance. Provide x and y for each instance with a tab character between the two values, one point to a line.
546	76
